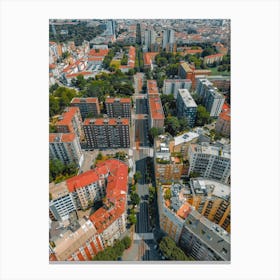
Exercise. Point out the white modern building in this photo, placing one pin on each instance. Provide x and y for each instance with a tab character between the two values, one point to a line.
172	86
210	161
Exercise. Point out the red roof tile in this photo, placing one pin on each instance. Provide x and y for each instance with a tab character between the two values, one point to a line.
121	100
102	121
63	137
68	116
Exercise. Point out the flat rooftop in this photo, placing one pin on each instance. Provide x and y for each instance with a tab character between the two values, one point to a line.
184	138
187	98
206	148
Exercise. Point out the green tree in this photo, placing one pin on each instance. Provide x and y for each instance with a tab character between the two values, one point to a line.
127	242
202	117
137	176
99	156
208	51
183	123
194	174
135	199
172	70
132	219
167	194
171	251
172	125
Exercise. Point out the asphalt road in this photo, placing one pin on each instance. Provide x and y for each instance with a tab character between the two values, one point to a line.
141	106
141	132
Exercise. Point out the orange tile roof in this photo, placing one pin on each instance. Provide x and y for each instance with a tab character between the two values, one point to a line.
52	66
155	106
225	114
115	195
68	116
149	57
81	180
194	51
88	100
111	121
63	137
95	58
214	55
184	211
152	87
101	52
122	100
79	73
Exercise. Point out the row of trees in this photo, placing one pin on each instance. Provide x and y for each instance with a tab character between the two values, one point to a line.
59	172
170	250
113	253
75	32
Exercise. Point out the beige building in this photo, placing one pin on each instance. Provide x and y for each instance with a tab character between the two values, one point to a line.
168	164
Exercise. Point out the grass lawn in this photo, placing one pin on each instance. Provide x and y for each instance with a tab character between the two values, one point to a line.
117	63
215	72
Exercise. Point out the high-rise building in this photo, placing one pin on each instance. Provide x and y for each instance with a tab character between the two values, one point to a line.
210	161
196	235
89	107
70	122
203	240
212	199
150	39
211	98
186	106
168	41
65	147
118	107
107	133
172	86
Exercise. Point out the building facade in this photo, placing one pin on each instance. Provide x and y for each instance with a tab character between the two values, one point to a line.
70	122
118	107
88	106
186	106
172	86
223	122
211	98
65	147
210	161
107	133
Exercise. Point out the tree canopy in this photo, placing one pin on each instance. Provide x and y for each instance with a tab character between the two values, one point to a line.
203	117
171	251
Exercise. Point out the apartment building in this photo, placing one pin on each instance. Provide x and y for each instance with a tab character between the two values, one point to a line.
183	141
70	122
211	98
170	223
223	122
156	114
195	234
89	107
168	40
186	106
80	244
210	59
203	240
65	147
107	133
188	71
83	241
118	107
172	86
210	161
211	199
168	165
62	203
